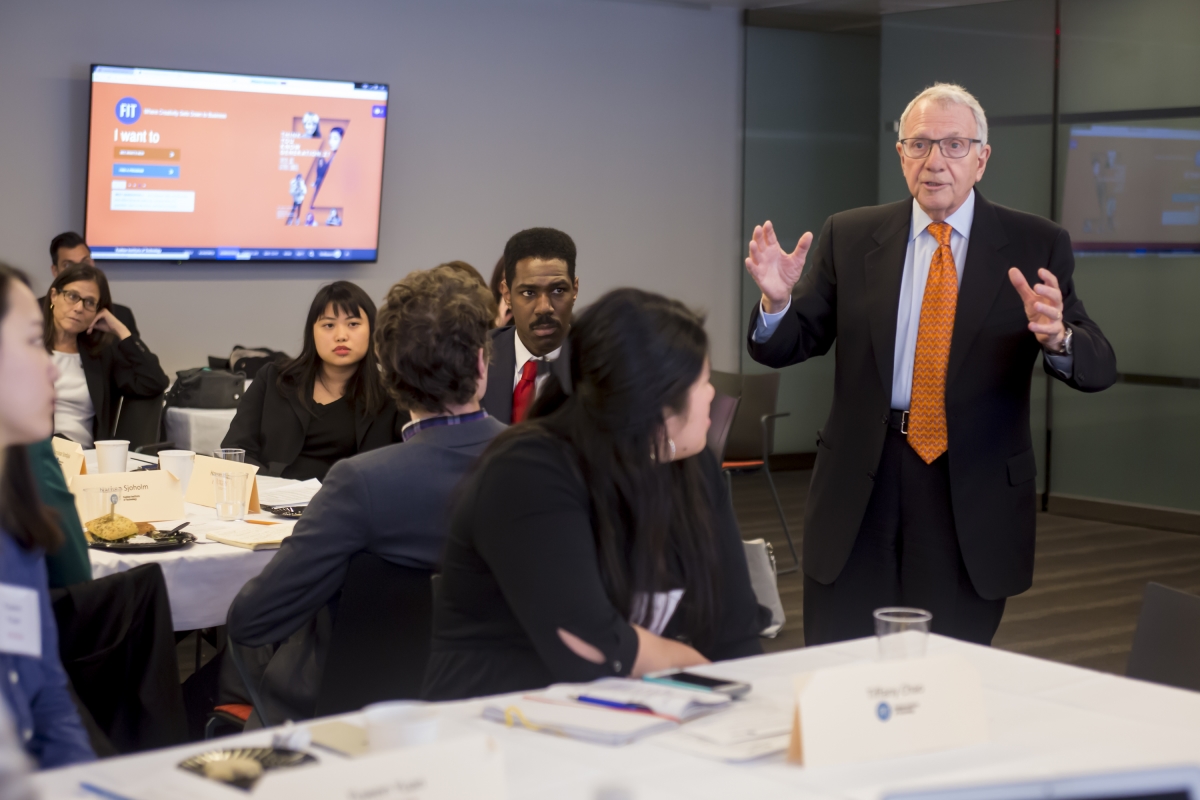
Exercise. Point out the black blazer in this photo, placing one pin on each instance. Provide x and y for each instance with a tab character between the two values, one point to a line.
850	292
521	562
497	399
120	368
270	425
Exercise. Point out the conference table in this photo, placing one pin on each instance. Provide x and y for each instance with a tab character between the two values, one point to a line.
1046	719
203	578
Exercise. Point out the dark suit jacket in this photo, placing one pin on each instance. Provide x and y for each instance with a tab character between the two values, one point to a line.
393	502
119	369
497	400
270	425
850	292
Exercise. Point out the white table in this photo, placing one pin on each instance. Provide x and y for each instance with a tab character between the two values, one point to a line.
200	430
202	579
1045	718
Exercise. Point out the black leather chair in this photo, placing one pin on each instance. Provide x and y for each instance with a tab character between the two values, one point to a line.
381	636
138	421
1166	644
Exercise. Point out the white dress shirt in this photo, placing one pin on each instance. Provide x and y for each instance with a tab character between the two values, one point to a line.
73	410
523	355
917	258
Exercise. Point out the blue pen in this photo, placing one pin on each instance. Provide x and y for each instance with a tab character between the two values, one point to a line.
99	792
596	701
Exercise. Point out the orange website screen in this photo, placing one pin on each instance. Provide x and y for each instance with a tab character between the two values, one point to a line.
206	166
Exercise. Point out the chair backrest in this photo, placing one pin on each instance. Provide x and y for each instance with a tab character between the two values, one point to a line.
139	420
381	636
1166	644
720	416
758	397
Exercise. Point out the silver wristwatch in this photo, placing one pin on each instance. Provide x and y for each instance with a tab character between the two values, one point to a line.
1066	349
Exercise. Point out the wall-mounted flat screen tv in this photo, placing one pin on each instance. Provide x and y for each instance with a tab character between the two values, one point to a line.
1133	189
206	166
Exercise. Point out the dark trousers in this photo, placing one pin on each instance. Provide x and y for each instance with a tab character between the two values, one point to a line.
906	554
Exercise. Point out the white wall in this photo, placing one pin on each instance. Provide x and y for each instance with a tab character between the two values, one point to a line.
619	123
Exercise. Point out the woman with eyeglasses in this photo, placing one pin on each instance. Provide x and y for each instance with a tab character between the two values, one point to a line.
99	359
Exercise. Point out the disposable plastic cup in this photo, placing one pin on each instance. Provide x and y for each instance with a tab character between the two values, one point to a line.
112	455
400	723
230	454
179	463
902	632
229	494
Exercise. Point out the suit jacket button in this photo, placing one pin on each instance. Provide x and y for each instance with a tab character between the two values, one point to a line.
871	475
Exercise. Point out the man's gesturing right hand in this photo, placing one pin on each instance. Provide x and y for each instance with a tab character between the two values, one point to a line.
775	271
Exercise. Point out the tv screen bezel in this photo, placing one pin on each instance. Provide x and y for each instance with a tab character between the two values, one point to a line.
149	258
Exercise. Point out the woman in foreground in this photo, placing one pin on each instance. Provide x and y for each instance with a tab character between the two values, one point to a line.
598	539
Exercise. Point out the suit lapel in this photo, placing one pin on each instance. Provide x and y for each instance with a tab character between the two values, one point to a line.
984	274
93	373
362	424
302	414
497	398
884	268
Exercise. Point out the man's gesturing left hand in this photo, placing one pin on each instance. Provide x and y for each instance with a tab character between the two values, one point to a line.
1043	306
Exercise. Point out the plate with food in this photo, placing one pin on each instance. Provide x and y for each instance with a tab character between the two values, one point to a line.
115	532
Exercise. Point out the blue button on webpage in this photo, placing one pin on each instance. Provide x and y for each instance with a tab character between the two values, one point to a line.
145	171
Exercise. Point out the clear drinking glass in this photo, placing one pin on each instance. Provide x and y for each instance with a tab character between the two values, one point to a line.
901	632
229	494
230	454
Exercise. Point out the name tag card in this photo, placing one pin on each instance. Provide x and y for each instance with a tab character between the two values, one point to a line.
866	712
200	489
70	458
470	767
20	621
147	496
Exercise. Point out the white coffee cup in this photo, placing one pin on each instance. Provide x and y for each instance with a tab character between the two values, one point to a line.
400	723
179	463
112	455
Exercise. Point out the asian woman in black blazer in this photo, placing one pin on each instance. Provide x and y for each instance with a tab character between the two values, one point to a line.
99	359
597	539
327	404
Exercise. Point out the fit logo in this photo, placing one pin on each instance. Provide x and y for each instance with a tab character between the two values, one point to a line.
129	110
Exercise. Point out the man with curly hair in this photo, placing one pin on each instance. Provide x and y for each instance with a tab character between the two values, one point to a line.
431	337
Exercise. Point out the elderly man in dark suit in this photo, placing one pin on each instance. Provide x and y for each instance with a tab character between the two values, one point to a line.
923	489
433	345
540	287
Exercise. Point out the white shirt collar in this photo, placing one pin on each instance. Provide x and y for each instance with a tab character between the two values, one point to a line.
523	354
960	221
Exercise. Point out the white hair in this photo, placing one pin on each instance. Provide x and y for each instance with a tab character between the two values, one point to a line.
949	94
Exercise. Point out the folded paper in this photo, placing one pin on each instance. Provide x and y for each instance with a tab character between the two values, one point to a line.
200	490
70	458
864	712
145	496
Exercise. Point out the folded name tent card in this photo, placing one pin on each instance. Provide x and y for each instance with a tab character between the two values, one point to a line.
70	458
149	496
466	767
200	489
864	712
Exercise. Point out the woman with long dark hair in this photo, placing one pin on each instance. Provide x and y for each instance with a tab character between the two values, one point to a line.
328	403
597	540
99	359
34	686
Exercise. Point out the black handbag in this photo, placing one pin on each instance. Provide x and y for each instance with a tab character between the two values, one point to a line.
202	387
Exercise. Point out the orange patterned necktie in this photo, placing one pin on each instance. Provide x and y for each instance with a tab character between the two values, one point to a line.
927	411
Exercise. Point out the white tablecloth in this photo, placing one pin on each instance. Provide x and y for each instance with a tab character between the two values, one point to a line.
1045	718
202	579
200	430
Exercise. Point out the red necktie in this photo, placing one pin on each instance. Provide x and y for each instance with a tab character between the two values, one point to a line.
526	388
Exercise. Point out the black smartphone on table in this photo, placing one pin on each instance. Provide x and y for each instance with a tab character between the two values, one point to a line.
690	680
